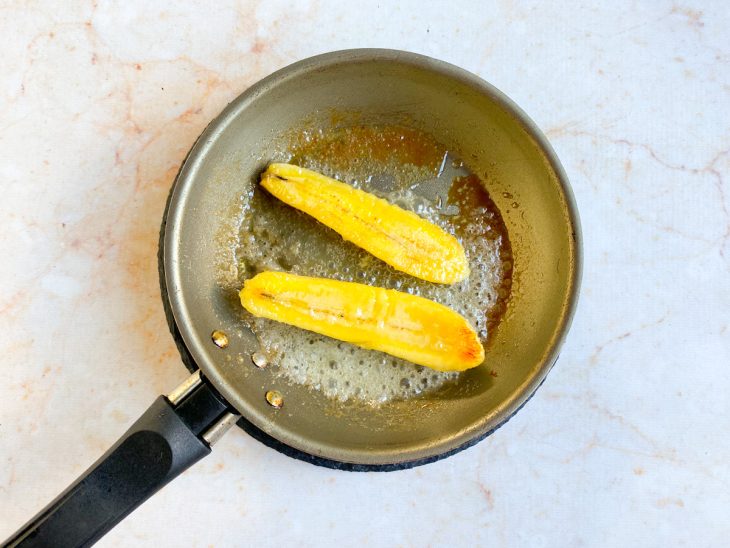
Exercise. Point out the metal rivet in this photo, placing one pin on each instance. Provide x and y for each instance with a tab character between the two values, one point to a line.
275	398
220	339
259	359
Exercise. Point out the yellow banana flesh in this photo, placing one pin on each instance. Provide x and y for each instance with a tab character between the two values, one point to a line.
401	238
403	325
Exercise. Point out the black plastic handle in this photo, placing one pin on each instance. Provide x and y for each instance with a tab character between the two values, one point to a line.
163	443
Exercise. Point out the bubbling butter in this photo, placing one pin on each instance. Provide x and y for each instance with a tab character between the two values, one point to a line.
430	182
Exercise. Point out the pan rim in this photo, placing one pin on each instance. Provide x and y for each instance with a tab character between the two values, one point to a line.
172	271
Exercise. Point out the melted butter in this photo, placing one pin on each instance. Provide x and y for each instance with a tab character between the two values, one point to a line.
409	168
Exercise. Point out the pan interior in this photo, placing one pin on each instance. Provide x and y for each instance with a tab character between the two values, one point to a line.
407	168
381	88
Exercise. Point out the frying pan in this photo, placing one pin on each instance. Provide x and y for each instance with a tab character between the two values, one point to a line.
467	115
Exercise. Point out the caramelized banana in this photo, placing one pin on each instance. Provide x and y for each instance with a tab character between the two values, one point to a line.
406	326
399	237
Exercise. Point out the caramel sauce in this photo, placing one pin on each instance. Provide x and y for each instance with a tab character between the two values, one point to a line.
469	194
379	144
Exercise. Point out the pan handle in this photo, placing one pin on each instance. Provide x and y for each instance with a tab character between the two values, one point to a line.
172	435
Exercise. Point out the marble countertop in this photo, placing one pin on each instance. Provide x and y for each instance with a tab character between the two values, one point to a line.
627	441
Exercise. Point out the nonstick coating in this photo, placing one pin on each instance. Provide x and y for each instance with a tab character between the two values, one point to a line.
482	127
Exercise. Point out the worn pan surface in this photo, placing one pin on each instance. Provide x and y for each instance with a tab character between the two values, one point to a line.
479	124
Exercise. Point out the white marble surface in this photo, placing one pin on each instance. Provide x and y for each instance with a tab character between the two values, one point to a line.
626	443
